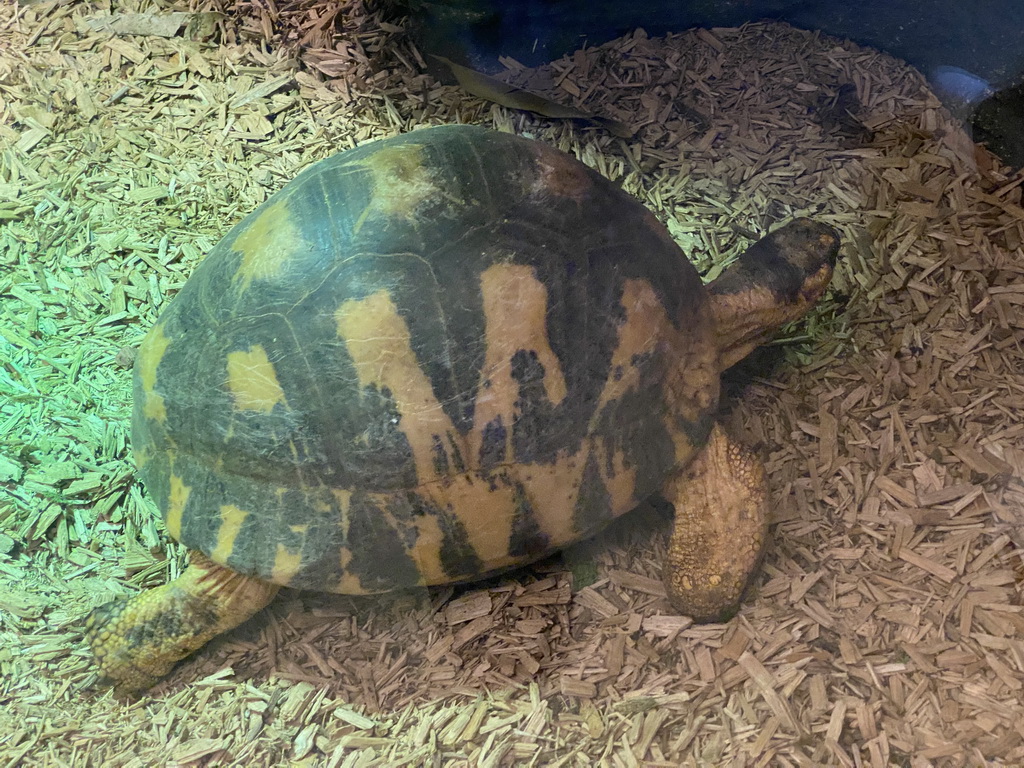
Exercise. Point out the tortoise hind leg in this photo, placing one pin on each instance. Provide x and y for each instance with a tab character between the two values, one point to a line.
720	530
137	641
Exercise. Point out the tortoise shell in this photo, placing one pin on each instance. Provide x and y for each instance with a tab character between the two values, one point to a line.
424	359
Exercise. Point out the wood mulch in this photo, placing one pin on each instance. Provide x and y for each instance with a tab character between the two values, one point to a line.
887	628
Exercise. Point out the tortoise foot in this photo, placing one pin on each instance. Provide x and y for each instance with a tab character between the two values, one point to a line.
720	531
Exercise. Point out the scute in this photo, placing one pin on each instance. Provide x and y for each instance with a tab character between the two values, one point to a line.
453	351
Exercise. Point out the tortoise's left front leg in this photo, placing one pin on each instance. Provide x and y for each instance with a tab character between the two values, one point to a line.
721	527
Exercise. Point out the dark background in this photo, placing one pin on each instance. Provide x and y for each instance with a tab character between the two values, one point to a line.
985	37
982	37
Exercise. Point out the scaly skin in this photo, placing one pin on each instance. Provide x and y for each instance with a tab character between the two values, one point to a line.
138	640
775	282
720	529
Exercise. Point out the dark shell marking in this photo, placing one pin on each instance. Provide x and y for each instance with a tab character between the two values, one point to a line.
422	360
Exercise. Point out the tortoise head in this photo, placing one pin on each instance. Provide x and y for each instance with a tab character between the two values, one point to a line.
777	280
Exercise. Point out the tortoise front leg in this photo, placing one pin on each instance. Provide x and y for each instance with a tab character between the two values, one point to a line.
720	530
138	640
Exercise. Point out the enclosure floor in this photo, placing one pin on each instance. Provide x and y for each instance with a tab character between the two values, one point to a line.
886	628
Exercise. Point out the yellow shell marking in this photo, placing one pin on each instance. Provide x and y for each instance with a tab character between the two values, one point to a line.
621	484
379	344
554	489
645	328
515	314
252	380
468	495
689	380
176	500
646	319
400	182
286	562
645	325
343	496
266	244
349	583
150	354
231	519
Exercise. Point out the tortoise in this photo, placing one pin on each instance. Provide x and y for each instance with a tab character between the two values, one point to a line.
435	357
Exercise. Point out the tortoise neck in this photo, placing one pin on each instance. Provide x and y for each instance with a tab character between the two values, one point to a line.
775	282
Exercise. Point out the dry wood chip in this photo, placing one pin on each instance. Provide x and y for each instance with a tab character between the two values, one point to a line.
637	582
194	750
557	596
589	598
353	718
897	491
666	626
937	569
766	684
946	495
468	607
579	688
472	630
